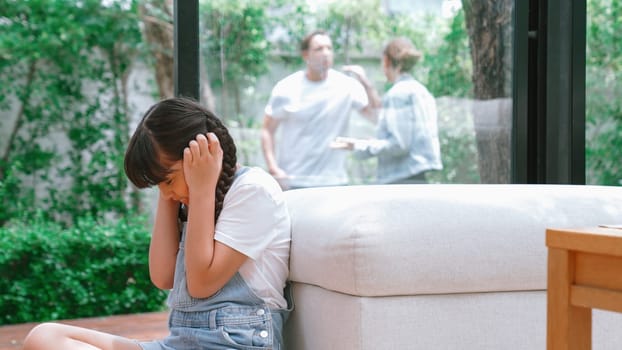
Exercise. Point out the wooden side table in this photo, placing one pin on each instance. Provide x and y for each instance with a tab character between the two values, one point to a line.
584	272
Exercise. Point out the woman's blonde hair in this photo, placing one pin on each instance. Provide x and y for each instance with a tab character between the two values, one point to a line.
402	54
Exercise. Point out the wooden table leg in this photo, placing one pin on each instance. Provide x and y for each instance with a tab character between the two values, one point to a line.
568	327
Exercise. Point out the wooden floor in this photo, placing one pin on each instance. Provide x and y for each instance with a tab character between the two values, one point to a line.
144	326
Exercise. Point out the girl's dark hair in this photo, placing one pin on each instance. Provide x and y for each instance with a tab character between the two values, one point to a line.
164	132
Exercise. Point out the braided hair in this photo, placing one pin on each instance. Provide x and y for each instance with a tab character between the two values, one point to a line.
165	131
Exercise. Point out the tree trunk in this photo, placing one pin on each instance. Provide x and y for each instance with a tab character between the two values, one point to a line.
158	33
489	27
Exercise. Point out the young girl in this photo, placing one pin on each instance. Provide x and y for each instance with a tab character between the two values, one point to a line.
220	239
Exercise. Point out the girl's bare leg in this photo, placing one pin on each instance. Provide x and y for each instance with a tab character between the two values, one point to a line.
55	336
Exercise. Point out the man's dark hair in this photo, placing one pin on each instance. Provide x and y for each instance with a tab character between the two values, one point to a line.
304	44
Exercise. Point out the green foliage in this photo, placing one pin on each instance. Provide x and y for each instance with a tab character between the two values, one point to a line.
12	192
235	46
65	64
235	33
351	26
289	23
450	66
604	109
91	269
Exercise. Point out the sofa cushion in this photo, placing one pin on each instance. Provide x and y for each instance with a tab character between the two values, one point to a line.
388	240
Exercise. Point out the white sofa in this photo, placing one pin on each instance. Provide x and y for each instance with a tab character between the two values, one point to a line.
433	266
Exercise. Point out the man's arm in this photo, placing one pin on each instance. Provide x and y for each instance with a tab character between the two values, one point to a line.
371	110
268	130
374	101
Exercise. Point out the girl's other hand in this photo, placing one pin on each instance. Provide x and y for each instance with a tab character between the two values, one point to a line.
202	163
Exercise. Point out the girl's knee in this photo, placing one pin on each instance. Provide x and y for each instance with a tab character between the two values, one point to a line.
41	336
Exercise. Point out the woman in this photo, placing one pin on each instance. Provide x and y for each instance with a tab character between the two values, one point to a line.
406	144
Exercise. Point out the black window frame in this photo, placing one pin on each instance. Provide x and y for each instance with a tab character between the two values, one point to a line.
548	135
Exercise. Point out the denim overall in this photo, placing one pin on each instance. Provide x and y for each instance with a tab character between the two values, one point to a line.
233	318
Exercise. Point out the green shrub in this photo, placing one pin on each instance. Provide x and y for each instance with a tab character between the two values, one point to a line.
90	269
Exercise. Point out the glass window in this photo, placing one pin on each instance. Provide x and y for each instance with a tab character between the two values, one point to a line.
465	64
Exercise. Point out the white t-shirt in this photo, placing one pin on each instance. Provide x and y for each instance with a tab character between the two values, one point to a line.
312	114
255	222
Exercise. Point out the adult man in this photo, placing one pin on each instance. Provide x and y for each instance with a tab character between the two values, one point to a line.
311	108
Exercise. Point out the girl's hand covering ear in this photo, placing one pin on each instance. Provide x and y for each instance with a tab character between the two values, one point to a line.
202	163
